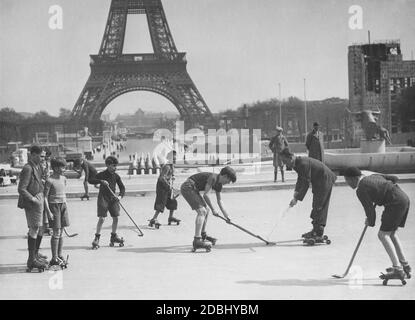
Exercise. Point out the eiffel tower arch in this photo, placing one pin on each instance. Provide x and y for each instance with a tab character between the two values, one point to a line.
163	72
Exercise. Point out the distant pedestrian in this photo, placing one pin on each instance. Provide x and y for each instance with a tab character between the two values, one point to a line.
315	143
277	144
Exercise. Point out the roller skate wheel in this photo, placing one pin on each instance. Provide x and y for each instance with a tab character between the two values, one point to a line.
208	249
193	250
157	226
328	241
385	282
311	242
178	223
121	244
169	223
111	244
325	237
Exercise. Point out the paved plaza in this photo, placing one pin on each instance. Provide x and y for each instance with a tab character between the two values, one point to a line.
160	265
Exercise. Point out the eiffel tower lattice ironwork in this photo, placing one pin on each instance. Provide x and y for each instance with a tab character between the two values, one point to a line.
163	72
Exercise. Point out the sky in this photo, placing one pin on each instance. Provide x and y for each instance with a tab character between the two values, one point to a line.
238	51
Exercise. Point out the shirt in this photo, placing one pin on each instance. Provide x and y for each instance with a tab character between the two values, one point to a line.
112	179
55	189
202	178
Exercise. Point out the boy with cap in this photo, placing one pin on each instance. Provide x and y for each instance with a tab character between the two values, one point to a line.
382	190
205	182
322	179
277	144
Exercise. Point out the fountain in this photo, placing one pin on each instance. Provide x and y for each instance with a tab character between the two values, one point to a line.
373	154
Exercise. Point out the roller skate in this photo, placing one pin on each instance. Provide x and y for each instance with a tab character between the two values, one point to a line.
41	258
315	236
198	243
35	264
95	243
173	220
116	239
205	237
64	261
394	273
154	223
85	196
56	264
406	268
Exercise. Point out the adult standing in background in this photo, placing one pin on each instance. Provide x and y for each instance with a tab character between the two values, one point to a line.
277	144
315	143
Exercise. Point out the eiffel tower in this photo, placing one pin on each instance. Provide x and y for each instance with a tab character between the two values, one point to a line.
163	72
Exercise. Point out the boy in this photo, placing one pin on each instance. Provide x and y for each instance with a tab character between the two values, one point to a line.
31	199
322	179
90	173
205	182
164	196
55	206
106	201
382	190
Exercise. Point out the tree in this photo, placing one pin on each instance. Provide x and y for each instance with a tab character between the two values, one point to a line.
65	113
9	115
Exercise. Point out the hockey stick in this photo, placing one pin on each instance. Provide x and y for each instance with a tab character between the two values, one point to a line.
141	232
249	232
351	260
69	235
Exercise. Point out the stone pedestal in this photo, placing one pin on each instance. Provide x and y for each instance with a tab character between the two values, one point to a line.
372	146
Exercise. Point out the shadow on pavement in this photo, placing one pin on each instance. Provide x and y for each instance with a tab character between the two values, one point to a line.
329	282
47	249
13	237
12	268
188	248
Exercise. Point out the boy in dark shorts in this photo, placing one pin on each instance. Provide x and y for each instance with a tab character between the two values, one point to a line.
55	207
90	173
382	190
107	179
205	182
164	196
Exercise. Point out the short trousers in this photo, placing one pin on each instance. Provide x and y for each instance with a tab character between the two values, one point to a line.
396	211
60	215
35	216
103	206
192	195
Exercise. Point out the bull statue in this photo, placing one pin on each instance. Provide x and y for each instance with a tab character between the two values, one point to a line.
372	130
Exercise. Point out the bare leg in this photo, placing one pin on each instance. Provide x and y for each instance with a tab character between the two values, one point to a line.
114	224
99	224
200	220
398	247
156	214
385	238
205	222
86	187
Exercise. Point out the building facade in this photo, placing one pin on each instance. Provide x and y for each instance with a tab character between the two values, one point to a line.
377	75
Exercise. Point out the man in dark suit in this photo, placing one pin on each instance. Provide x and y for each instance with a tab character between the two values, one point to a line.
322	179
31	199
382	190
315	143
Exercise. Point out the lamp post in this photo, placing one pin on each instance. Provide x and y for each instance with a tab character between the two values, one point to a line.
279	90
305	114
